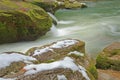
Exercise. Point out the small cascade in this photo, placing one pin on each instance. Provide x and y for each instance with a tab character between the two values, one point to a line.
54	30
65	22
57	32
53	17
55	20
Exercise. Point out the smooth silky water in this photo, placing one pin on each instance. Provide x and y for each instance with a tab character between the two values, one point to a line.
98	25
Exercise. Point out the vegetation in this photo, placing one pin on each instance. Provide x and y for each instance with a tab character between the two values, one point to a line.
109	60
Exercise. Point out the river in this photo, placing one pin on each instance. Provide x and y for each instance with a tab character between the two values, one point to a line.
98	25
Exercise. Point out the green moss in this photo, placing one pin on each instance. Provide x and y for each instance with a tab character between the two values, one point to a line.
92	69
72	5
104	62
47	6
41	19
114	52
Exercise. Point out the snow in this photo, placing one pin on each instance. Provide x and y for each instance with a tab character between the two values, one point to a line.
61	77
64	43
7	59
65	63
83	71
40	51
59	44
76	53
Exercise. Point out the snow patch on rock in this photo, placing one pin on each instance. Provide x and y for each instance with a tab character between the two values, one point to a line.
7	59
67	62
59	44
76	53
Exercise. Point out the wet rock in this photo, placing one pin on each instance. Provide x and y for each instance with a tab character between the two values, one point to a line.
110	57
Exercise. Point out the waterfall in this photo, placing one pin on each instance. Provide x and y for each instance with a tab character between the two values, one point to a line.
57	32
54	30
53	17
55	20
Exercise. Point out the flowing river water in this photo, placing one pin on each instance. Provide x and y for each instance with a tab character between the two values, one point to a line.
98	25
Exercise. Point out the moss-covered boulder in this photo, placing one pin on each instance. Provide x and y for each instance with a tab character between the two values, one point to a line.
13	62
64	69
60	49
110	57
73	4
54	5
21	21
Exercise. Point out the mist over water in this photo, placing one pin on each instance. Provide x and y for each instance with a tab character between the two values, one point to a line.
98	25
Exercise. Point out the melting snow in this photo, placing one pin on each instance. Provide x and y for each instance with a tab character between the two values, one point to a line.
83	71
7	59
67	62
40	51
76	53
59	44
65	43
61	77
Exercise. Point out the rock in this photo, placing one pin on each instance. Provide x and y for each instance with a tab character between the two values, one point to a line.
60	49
110	57
13	62
61	60
74	5
54	5
22	21
56	50
59	70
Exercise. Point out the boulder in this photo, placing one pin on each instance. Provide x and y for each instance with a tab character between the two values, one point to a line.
74	5
22	21
109	58
64	69
60	49
54	5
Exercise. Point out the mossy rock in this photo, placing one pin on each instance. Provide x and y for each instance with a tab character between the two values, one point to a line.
109	58
53	75
16	26
22	21
74	5
49	6
55	54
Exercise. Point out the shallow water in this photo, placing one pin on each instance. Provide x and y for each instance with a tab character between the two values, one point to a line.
98	25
